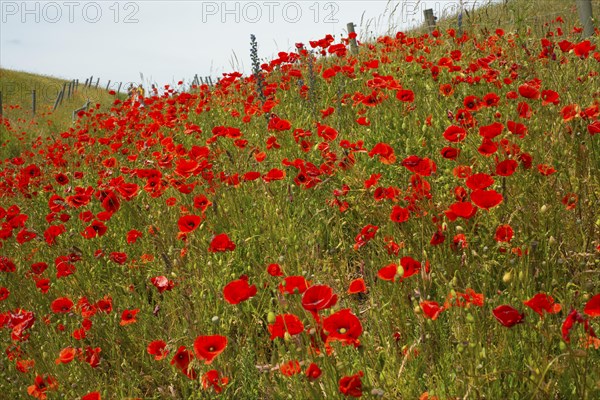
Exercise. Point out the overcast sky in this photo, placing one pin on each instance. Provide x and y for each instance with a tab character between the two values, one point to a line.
168	41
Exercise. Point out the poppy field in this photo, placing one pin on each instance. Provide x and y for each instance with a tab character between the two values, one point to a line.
418	220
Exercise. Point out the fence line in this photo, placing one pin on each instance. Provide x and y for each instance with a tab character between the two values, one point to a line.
67	92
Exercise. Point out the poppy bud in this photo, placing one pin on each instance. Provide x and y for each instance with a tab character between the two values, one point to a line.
544	208
271	317
507	277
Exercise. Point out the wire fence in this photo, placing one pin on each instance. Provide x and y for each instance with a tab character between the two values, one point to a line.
57	95
536	25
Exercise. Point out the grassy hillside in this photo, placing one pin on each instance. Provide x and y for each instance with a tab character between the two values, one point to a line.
16	88
415	221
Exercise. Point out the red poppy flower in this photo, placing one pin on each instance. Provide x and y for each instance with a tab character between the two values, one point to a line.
37	268
351	385
388	273
405	95
313	372
343	326
487	147
504	233
517	128
399	214
446	90
463	209
239	290
286	323
542	302
274	174
92	395
450	153
208	347
157	348
479	181
372	181
128	317
592	307
529	91
318	297
472	103
508	316
290	368
62	305
66	355
491	99
201	202
274	270
105	304
41	385
570	201
367	233
569	112
189	223
220	243
431	309
437	238
251	176
294	284
455	134
486	198
162	283
594	128
583	49
182	359
410	266
357	286
569	322
506	167
118	257
4	293
133	235
550	97
213	379
385	153
363	121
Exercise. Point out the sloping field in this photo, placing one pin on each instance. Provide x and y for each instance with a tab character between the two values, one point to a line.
415	221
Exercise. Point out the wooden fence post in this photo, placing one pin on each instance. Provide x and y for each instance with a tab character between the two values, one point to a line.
108	85
85	84
56	101
97	83
33	102
76	83
429	19
90	82
69	90
119	89
584	7
353	44
62	92
210	81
